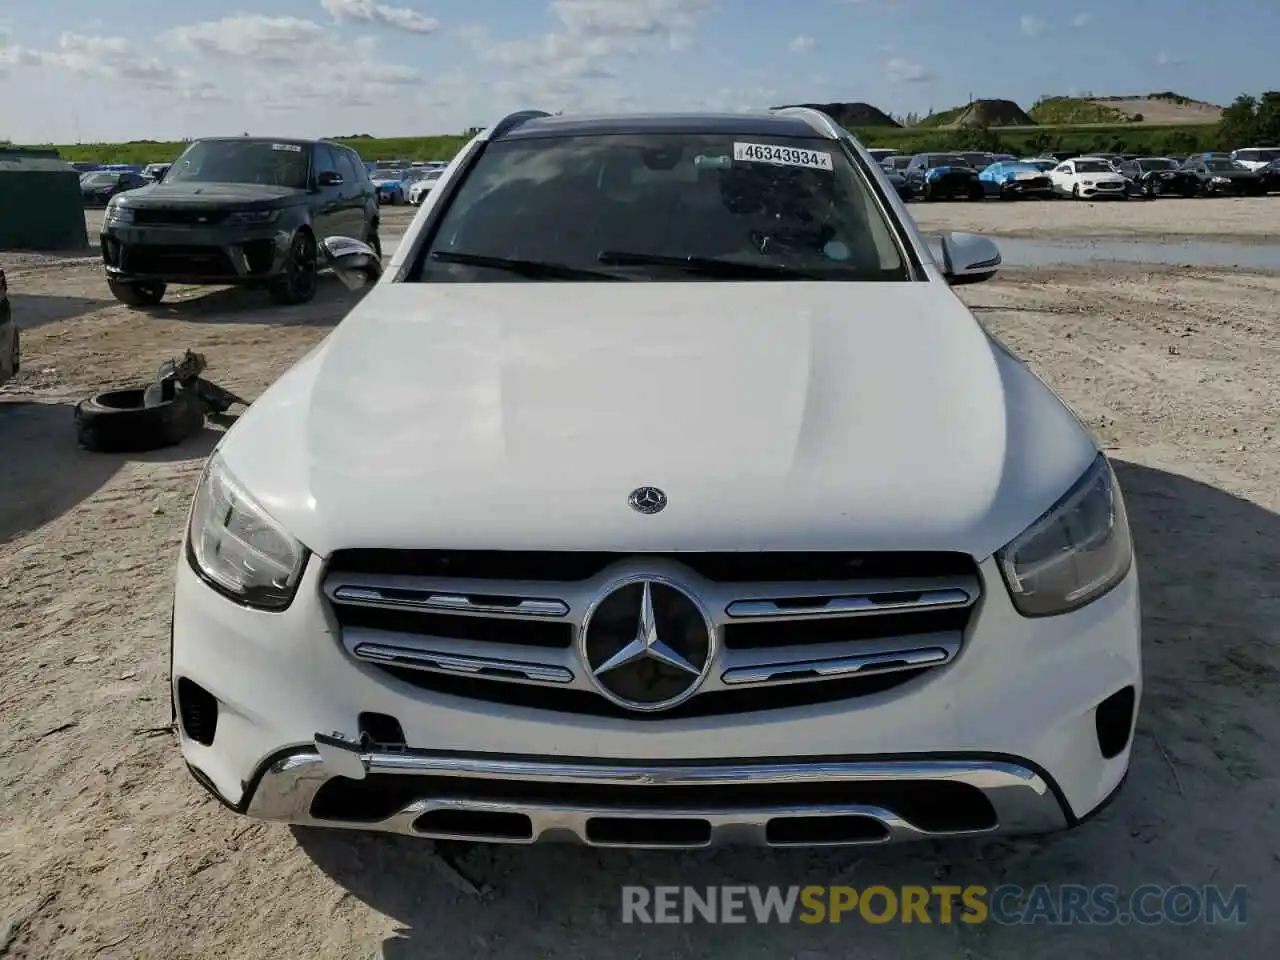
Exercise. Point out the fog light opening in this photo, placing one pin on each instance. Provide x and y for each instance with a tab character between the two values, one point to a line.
198	709
1113	720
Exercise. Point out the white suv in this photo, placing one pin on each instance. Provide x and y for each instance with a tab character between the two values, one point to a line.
660	492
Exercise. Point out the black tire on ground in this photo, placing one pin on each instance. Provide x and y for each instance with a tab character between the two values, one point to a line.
298	284
117	422
1075	192
374	240
136	294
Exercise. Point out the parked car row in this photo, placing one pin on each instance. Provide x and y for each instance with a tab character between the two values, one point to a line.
406	184
976	176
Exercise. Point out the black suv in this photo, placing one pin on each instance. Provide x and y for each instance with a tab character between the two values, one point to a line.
249	211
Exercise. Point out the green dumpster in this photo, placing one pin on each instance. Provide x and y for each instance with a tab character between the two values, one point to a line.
40	206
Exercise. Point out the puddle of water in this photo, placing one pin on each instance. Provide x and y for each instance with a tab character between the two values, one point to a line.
1017	252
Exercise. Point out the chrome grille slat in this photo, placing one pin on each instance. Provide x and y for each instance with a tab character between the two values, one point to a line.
402	598
796	632
861	604
828	668
461	664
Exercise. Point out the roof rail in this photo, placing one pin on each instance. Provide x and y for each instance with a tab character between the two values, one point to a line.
513	120
820	122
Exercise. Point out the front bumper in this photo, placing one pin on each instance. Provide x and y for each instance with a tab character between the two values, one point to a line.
1040	187
1096	191
181	254
1005	739
1239	188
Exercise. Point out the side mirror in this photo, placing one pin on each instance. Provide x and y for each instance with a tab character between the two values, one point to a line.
329	179
968	258
355	263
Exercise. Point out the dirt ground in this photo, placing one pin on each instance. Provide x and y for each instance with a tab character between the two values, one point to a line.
109	850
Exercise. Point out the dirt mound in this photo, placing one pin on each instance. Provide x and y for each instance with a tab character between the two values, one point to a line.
852	114
1169	108
992	113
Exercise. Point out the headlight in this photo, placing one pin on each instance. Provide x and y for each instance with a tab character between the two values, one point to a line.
1077	551
118	214
254	216
1087	183
237	548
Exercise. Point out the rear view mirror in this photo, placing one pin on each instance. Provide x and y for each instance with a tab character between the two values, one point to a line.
355	263
968	258
329	179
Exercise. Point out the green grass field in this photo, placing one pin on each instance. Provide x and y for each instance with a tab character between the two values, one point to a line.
1110	138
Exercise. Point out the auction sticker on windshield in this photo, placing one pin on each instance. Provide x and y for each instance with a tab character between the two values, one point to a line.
783	156
289	147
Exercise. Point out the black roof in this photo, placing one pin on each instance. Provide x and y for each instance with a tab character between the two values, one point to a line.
736	124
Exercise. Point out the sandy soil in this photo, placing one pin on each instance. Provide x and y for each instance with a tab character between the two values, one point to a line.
1164	111
1243	220
109	850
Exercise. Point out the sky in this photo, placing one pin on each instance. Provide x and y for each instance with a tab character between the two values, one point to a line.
93	71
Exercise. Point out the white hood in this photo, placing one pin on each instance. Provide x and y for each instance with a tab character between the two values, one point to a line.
782	416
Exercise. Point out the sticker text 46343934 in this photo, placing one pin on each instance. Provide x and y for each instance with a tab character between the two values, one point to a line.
782	156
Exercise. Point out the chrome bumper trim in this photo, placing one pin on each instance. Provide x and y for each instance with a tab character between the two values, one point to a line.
1022	799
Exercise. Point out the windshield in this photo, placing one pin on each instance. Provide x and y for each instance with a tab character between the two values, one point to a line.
1093	166
1258	156
947	160
1160	164
1225	166
664	207
386	174
242	161
99	179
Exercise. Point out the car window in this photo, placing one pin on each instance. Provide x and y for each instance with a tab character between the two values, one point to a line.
770	203
1223	166
1093	166
1257	156
343	165
326	159
241	161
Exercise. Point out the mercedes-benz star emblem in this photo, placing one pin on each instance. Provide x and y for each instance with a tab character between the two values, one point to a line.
647	500
647	644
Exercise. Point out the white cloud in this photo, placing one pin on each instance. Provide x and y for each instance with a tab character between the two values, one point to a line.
367	11
112	58
801	44
1166	59
1032	26
902	70
251	37
1082	19
672	21
591	37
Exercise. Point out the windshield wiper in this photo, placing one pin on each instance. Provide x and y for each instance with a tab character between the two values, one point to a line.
707	266
534	269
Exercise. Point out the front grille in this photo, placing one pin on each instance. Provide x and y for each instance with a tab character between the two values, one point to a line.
788	629
1110	186
177	216
935	806
176	259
